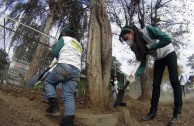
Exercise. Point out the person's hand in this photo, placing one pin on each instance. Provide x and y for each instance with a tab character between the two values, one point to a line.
151	52
148	47
130	78
140	71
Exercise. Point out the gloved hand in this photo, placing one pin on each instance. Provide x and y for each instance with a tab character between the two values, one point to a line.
151	52
139	71
130	78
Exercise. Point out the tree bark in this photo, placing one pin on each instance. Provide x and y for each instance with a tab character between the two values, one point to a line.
35	63
99	52
146	86
106	55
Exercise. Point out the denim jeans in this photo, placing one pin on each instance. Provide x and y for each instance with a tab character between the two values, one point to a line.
67	75
159	65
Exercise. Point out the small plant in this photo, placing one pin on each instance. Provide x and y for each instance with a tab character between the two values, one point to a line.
39	86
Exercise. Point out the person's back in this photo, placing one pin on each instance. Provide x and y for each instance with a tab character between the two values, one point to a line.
71	52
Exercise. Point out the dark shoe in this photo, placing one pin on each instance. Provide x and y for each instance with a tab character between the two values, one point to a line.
53	108
176	119
67	121
150	116
123	104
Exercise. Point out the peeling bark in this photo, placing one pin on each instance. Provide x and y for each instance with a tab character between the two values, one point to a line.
98	56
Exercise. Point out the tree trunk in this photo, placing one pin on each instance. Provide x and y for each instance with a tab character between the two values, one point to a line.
99	54
146	86
106	40
35	63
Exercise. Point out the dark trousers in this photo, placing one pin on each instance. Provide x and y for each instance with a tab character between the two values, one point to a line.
159	65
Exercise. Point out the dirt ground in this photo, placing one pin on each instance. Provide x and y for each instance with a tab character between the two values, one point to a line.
22	107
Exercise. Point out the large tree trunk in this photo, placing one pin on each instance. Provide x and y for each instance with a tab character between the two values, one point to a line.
146	86
35	63
99	54
106	40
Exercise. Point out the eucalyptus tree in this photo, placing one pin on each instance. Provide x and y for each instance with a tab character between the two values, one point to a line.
99	53
190	61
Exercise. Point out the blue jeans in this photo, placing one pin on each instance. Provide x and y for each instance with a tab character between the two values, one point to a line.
67	75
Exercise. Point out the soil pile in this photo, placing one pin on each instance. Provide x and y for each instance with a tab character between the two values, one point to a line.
22	107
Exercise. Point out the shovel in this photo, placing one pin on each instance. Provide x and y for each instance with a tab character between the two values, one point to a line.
36	79
120	96
121	92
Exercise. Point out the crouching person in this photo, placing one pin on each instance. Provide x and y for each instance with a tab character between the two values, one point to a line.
67	53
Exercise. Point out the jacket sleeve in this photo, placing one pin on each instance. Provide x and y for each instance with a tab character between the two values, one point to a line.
58	47
155	33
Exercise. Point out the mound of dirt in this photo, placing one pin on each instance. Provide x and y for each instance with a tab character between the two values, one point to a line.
5	112
23	107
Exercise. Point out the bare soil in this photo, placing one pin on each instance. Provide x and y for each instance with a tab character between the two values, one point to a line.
24	107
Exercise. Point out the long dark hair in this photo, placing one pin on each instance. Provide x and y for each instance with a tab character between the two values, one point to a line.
138	47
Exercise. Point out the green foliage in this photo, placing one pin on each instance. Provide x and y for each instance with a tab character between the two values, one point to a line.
82	87
39	86
4	59
4	64
115	62
191	61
